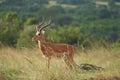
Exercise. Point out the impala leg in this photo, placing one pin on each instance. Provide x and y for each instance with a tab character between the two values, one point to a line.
69	61
70	57
66	60
48	62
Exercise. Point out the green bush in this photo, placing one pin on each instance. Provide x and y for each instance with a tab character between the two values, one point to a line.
31	21
25	39
66	34
117	43
9	29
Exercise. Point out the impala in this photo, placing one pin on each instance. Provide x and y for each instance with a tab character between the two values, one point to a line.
50	49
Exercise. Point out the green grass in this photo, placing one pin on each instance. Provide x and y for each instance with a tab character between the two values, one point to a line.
28	64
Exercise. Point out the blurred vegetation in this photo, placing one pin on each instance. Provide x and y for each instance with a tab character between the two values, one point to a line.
81	23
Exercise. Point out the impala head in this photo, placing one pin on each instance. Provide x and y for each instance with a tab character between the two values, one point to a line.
40	31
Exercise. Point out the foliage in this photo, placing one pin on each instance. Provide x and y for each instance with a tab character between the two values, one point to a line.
103	12
66	34
63	20
104	29
76	24
9	29
31	21
25	38
117	44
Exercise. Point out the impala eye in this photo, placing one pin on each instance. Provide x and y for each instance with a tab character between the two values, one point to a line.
38	34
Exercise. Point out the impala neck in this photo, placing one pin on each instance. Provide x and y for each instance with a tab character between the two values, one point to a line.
42	38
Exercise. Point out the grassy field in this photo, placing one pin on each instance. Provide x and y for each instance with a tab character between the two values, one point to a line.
28	64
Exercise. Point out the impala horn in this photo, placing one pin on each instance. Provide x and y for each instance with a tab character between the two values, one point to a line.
49	22
40	24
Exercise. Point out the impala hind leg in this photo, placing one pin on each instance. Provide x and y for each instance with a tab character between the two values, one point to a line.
67	61
70	57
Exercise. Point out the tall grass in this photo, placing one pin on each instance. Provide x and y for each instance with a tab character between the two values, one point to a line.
28	64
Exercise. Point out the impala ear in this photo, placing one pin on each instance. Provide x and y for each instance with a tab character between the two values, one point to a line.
43	32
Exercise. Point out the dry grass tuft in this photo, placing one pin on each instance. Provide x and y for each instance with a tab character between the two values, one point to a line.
28	64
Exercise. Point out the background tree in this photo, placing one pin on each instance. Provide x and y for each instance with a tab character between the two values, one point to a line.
10	27
63	20
31	21
104	12
78	22
25	38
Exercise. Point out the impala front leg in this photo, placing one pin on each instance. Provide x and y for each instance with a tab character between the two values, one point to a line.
48	62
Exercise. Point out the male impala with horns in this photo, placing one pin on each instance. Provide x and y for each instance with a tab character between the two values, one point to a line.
50	49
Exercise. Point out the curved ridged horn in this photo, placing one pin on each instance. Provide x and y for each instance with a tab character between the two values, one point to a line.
39	26
40	29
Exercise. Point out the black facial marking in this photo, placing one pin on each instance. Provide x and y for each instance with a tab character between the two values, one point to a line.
39	34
